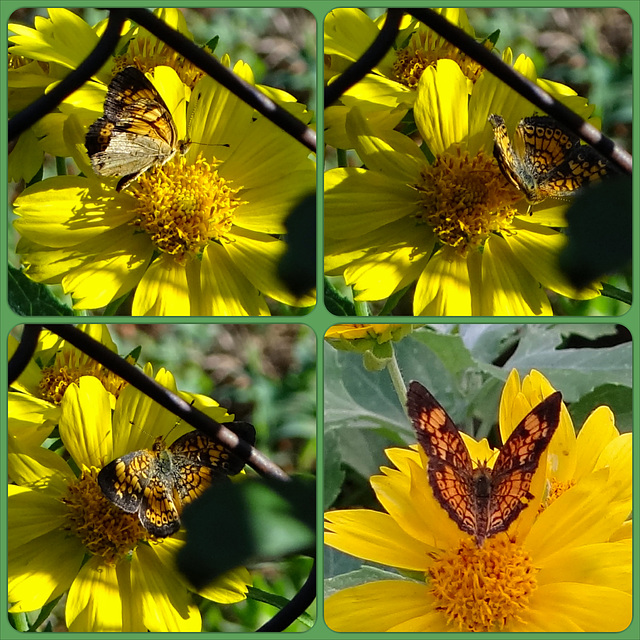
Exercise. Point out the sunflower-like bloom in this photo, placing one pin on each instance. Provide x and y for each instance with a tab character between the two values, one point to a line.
455	226
66	537
34	400
42	55
197	236
563	565
387	93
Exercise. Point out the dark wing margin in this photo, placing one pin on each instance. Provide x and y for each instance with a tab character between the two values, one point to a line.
450	468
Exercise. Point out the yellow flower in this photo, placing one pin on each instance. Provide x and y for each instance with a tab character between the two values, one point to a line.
373	341
387	93
194	237
351	337
41	56
65	536
455	227
201	236
563	565
35	397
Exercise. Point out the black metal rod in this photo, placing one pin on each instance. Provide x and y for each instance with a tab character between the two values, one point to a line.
88	67
167	399
24	352
288	614
369	59
529	90
252	96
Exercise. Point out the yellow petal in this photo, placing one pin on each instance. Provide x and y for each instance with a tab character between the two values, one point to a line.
375	536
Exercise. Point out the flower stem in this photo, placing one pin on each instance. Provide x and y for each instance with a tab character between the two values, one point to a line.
362	308
615	293
396	379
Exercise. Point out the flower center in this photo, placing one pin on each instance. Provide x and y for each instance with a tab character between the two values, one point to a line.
426	48
464	199
482	589
183	207
104	529
147	53
556	489
68	368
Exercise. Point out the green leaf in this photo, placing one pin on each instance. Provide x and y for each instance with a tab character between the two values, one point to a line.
358	577
246	522
29	298
297	268
44	613
489	342
600	231
393	300
449	349
575	372
277	601
492	37
332	471
336	303
617	397
212	44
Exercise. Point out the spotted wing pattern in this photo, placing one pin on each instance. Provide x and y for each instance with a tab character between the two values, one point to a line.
450	469
157	483
545	160
517	462
136	132
481	501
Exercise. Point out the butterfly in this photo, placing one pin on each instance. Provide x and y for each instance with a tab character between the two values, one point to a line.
482	501
137	131
157	483
545	160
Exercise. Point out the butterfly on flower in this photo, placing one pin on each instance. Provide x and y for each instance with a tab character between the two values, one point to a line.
482	501
157	483
137	131
544	160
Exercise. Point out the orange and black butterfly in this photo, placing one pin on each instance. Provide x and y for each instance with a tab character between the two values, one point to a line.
482	501
544	160
157	483
137	131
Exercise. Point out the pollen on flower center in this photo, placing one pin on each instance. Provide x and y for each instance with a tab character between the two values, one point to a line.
68	368
104	529
556	489
424	49
482	589
464	199
147	53
183	207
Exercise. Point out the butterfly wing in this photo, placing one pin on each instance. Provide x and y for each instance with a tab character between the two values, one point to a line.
450	468
158	512
125	479
201	460
136	132
555	157
517	462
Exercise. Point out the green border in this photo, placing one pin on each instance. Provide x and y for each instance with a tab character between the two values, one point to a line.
320	319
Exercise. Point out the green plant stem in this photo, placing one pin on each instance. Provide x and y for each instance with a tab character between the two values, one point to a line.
397	379
362	308
61	166
609	291
19	621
